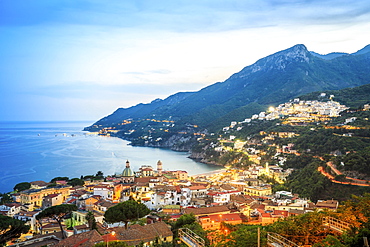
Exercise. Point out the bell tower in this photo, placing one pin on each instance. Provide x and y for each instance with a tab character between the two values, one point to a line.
159	168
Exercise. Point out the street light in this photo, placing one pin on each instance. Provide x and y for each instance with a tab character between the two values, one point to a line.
112	233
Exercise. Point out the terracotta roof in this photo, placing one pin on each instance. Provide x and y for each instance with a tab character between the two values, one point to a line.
80	227
144	179
224	217
242	199
208	210
13	204
226	187
27	213
106	204
39	183
201	187
137	234
51	196
85	239
109	237
327	204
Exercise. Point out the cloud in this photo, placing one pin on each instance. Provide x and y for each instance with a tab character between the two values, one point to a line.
127	52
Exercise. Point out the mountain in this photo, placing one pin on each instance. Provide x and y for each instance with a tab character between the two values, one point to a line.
271	80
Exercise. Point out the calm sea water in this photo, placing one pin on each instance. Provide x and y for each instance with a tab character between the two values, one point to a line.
31	151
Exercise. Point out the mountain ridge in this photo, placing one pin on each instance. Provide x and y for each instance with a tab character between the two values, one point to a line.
270	80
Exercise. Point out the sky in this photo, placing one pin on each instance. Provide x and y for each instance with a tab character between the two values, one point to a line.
82	59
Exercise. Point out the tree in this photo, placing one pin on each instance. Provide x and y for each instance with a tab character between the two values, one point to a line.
76	182
112	244
329	241
244	235
125	212
91	220
99	174
57	213
22	186
185	219
59	179
189	221
5	198
11	228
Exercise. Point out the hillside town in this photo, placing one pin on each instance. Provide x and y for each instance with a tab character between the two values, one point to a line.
299	112
234	195
225	196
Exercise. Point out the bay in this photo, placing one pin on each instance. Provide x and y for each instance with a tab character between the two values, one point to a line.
31	151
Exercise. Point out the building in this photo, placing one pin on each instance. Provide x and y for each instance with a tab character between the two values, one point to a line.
35	197
128	175
148	235
39	184
52	200
84	239
10	209
207	210
213	222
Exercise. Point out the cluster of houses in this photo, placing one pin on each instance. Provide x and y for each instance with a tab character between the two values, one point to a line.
297	112
229	196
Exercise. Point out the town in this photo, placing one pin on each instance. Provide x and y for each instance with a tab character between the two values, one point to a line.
225	196
239	194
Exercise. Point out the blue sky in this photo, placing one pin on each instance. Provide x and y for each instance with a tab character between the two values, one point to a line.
81	60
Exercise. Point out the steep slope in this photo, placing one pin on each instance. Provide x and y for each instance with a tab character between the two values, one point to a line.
271	80
137	111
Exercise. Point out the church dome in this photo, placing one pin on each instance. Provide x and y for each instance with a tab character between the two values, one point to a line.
127	172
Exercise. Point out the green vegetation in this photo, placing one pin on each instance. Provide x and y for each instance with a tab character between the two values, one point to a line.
112	244
240	235
306	229
76	182
355	161
57	213
189	221
22	186
11	228
59	179
125	212
5	198
91	220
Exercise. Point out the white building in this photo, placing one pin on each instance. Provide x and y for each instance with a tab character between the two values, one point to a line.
174	196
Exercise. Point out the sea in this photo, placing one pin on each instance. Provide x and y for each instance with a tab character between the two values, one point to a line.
32	151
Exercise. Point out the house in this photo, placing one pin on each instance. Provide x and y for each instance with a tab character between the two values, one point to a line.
51	227
223	197
147	234
29	218
88	203
39	184
102	205
329	204
81	228
10	209
84	239
171	209
52	200
105	191
268	217
244	203
207	210
198	191
79	217
213	222
35	197
61	182
169	195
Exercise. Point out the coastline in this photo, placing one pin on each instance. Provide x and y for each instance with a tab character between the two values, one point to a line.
32	151
207	174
